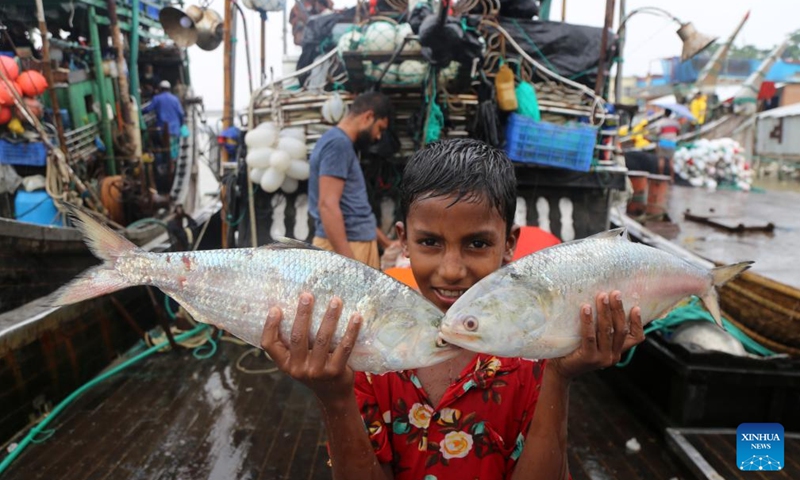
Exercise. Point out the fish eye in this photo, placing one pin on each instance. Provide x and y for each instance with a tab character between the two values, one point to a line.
441	342
471	324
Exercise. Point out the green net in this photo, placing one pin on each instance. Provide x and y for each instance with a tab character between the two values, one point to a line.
527	103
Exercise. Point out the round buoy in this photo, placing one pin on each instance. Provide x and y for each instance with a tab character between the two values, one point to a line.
34	106
6	97
5	115
32	83
9	67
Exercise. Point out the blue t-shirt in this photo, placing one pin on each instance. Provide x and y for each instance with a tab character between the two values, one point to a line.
168	110
334	156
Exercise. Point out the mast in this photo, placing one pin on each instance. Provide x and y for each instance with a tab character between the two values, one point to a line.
745	100
708	76
128	112
48	73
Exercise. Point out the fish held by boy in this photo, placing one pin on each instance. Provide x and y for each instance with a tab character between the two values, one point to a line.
234	290
528	308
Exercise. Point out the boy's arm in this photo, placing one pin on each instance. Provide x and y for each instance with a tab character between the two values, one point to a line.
545	453
331	380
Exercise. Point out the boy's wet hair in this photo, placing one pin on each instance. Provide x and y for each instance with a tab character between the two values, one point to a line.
466	169
376	102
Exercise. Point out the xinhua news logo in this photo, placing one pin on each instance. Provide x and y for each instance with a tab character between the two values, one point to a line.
759	446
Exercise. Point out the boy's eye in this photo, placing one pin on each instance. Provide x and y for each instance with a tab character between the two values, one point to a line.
479	244
427	242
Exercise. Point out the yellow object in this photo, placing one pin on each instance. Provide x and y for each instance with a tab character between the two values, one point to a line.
640	142
639	127
504	84
698	108
623	131
15	126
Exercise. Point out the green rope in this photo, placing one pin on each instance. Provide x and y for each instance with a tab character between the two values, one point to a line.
45	435
691	312
200	352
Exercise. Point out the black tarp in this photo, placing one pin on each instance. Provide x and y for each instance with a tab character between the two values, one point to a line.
572	51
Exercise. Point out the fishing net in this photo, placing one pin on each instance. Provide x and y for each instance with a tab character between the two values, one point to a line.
527	103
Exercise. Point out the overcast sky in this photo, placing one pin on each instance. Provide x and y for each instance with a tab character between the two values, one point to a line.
648	38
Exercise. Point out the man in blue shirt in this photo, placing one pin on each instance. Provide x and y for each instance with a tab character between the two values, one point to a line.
338	202
169	112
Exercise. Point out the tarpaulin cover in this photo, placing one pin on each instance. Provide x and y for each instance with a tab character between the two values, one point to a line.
317	34
572	51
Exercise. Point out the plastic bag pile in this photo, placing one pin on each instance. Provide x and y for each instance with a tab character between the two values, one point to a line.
277	159
708	163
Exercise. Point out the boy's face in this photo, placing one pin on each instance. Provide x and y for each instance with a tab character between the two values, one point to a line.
451	247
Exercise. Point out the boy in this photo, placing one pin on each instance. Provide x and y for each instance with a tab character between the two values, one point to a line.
469	417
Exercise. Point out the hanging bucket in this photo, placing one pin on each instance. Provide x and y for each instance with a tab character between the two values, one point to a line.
657	194
638	201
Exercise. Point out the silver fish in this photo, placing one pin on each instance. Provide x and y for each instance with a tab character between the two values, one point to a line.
531	308
234	289
703	336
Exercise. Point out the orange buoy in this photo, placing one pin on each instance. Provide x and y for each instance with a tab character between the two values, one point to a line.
34	106
5	115
6	97
32	83
9	67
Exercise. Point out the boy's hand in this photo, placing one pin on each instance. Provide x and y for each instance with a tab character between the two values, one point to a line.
602	346
324	372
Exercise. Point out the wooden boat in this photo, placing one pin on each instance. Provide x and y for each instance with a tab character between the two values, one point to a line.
35	259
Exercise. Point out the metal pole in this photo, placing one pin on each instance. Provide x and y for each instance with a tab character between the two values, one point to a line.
227	87
127	110
263	48
563	10
48	73
601	64
620	49
101	91
285	22
134	66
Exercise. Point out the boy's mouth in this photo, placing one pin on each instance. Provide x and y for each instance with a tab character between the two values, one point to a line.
448	296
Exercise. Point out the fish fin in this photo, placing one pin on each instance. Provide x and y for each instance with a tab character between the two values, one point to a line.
711	302
613	233
102	241
728	272
284	243
92	283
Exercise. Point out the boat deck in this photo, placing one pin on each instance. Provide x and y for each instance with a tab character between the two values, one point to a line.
768	250
174	416
712	452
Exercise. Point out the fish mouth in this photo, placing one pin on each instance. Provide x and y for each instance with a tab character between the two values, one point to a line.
453	337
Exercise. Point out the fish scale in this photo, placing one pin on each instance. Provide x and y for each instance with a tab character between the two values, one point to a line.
531	307
234	289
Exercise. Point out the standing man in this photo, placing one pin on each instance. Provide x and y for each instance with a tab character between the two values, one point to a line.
337	193
170	121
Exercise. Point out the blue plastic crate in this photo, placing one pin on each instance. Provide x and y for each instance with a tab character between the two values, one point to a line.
565	146
32	154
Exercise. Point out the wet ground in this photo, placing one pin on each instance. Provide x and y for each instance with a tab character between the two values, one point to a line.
176	417
775	254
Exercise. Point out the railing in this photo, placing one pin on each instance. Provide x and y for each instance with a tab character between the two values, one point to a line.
81	142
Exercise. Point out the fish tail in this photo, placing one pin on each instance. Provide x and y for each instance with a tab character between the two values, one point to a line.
104	244
711	302
92	283
728	272
721	275
102	241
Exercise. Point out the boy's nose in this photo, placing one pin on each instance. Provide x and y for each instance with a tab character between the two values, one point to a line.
452	268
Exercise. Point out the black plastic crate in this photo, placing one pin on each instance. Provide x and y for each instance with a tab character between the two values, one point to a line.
678	388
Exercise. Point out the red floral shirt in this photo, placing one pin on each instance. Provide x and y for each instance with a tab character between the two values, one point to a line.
477	430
